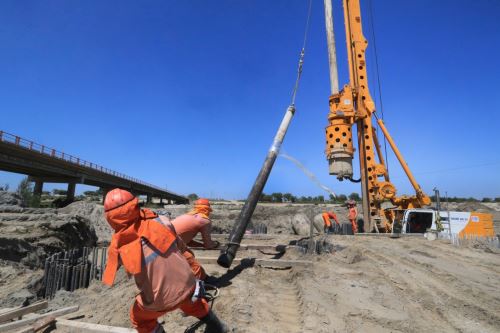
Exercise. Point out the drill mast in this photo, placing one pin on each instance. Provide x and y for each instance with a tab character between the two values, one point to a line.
353	105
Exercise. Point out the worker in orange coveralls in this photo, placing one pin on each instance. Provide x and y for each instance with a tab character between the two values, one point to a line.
189	225
328	227
352	215
150	250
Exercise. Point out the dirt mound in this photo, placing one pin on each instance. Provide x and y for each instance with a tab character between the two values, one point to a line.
279	218
93	214
301	224
282	218
28	235
473	206
10	199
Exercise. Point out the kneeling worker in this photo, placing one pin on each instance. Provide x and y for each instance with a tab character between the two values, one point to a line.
149	249
189	225
328	227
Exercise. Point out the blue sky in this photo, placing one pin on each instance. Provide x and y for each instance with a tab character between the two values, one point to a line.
189	94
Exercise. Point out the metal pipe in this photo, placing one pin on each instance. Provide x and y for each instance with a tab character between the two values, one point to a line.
105	250
73	278
229	251
50	278
65	275
438	203
101	264
311	231
85	275
92	264
96	255
46	274
80	285
332	53
60	275
59	271
56	279
79	277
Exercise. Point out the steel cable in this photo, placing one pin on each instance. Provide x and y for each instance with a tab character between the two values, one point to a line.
378	77
302	53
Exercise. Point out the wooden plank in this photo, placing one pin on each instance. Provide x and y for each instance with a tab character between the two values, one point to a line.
3	310
279	248
248	236
28	321
280	263
389	235
226	236
19	312
82	327
39	325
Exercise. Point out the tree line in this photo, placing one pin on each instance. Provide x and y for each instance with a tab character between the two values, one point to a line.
463	199
279	197
25	190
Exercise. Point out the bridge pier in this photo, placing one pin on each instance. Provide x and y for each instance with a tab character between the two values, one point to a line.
38	187
104	193
149	198
70	194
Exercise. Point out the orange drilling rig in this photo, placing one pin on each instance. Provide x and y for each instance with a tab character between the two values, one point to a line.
353	105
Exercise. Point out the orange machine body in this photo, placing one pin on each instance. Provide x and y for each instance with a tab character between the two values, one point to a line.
353	105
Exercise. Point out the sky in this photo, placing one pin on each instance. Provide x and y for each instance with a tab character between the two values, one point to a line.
188	94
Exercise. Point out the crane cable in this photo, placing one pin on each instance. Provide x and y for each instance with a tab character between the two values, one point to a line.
212	296
302	53
378	78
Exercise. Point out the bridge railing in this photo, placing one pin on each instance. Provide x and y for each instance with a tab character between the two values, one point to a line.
42	149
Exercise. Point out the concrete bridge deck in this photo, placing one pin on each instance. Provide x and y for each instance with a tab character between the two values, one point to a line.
47	165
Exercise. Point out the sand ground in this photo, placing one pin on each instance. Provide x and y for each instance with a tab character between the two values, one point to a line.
368	284
364	284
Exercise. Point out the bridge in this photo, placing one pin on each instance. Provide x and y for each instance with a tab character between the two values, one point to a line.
47	165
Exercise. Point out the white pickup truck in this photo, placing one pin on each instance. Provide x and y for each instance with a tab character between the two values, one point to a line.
419	220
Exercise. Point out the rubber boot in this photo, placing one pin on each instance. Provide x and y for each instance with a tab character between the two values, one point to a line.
214	325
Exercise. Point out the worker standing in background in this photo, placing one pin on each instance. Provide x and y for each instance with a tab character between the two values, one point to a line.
150	250
189	225
352	215
328	227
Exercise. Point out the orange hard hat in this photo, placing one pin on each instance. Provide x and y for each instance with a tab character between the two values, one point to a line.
202	202
116	198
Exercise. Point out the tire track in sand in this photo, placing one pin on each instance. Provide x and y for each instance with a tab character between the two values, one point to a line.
276	302
436	294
